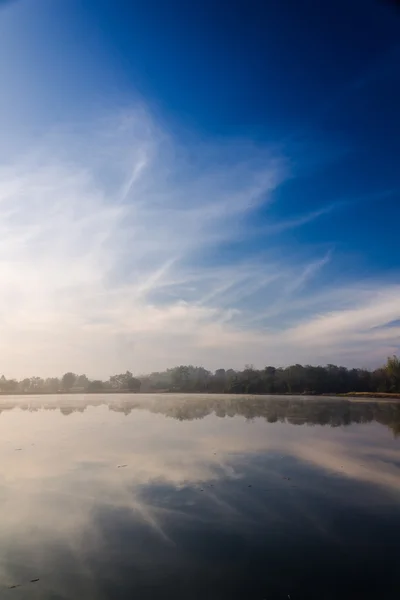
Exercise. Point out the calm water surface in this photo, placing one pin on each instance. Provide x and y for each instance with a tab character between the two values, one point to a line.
211	497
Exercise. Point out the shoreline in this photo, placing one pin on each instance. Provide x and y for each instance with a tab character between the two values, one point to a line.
349	395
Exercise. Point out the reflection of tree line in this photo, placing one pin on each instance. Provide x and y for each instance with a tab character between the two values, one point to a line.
296	411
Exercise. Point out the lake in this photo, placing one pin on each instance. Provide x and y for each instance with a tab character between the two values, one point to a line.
198	496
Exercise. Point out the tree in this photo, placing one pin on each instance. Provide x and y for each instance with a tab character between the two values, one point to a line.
393	372
180	377
120	382
133	384
218	382
36	385
269	379
68	381
95	386
25	385
8	386
82	381
52	385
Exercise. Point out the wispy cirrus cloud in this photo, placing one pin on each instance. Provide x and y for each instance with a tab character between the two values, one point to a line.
114	254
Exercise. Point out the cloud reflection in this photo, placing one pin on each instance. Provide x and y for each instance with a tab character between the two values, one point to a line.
222	468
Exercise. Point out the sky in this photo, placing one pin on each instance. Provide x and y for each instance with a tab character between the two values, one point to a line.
198	183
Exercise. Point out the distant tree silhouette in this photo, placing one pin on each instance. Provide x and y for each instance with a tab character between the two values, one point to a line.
82	381
393	372
134	384
95	386
294	379
68	380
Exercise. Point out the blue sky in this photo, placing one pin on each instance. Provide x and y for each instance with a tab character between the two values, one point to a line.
204	183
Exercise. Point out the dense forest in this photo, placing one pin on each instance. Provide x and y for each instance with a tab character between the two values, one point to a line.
295	379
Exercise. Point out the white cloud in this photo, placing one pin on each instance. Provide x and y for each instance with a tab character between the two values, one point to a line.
109	240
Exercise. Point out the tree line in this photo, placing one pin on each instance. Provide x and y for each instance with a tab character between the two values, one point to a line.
294	379
70	383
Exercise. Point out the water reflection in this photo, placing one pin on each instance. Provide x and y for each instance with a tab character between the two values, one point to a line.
258	505
292	409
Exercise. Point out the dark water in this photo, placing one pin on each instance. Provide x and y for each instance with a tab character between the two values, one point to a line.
208	497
